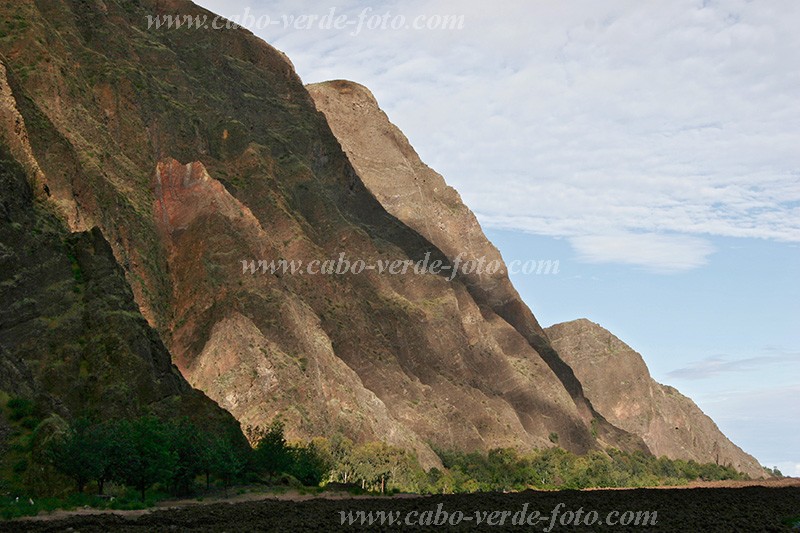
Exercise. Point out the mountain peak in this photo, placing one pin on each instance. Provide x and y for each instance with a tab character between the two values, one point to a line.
354	91
617	382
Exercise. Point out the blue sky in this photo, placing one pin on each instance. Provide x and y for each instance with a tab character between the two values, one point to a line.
652	148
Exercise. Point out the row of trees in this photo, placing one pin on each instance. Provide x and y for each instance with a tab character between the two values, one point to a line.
144	451
175	454
506	469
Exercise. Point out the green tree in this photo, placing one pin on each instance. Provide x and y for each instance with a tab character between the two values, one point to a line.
309	464
376	465
186	444
147	457
110	453
271	454
372	465
226	461
340	450
76	453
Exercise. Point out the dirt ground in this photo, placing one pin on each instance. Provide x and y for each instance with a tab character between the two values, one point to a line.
721	506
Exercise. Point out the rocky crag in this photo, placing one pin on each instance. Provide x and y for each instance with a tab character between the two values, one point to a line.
619	385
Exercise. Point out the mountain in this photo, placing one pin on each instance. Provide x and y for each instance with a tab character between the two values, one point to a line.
167	163
618	383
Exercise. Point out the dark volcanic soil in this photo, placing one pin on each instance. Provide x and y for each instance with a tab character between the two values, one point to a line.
693	509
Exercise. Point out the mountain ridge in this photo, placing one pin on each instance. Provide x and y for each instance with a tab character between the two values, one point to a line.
190	152
390	167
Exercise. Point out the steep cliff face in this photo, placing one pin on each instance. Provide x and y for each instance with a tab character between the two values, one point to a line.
410	190
193	150
71	335
618	383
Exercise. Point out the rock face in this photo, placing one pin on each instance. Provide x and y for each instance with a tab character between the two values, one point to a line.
410	190
195	152
617	382
71	335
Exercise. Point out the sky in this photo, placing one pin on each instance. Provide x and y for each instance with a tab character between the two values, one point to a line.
650	148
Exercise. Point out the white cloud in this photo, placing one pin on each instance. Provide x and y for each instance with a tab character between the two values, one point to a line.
659	253
589	120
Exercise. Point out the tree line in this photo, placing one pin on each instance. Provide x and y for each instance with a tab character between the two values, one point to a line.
146	451
556	468
179	457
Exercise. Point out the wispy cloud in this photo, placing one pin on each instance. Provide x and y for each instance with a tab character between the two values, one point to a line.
712	367
655	252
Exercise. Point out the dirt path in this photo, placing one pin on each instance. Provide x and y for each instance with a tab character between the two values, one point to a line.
167	505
